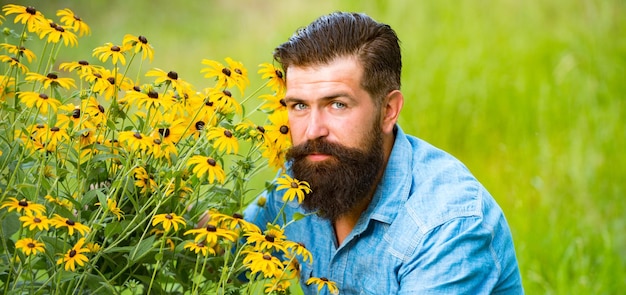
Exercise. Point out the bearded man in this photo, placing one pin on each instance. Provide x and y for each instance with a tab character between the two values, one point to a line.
393	214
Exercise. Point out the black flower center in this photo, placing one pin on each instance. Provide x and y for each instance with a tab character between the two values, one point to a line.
200	125
211	228
83	62
237	216
172	75
55	129
267	257
165	132
169	216
226	71
101	108
153	94
52	76
36	220
211	162
43	96
76	113
30	245
270	238
59	28
156	141
142	39
294	185
72	253
111	80
31	10
23	203
284	129
261	129
137	135
116	48
228	134
70	222
238	71
228	93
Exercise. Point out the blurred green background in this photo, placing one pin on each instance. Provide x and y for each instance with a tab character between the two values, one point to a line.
529	94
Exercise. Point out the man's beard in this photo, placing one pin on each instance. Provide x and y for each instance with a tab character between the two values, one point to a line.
342	182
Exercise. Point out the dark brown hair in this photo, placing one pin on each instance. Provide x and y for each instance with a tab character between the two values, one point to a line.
375	45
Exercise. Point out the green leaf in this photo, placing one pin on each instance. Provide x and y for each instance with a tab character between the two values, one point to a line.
10	225
141	249
297	216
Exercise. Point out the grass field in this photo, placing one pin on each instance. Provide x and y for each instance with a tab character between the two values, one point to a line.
531	95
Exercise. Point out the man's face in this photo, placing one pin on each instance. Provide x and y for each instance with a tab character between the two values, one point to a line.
337	137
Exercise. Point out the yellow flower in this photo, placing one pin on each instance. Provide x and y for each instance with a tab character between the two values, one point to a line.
272	239
93	247
75	256
113	51
151	99
277	285
273	103
224	101
226	77
19	51
141	44
7	86
168	221
52	79
111	82
30	246
323	282
62	202
112	207
26	15
59	222
40	101
96	111
82	67
299	249
144	180
276	78
211	233
295	188
53	136
224	140
32	220
13	62
199	247
278	131
207	165
73	21
57	33
135	141
169	78
264	263
23	205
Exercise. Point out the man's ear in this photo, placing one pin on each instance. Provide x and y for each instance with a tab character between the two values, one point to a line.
392	105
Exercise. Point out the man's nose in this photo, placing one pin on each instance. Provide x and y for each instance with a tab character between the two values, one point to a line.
317	126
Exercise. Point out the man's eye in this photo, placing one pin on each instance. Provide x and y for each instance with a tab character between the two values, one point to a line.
299	106
338	105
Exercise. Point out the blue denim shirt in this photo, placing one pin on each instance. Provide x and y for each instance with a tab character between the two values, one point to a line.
431	228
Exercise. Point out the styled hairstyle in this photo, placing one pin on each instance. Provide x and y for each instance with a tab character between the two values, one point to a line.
340	34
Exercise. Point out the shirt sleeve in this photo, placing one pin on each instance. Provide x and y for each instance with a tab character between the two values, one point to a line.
456	257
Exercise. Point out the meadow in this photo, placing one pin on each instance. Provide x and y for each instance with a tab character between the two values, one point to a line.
529	94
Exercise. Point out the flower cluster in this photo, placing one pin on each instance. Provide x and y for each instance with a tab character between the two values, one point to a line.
112	185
